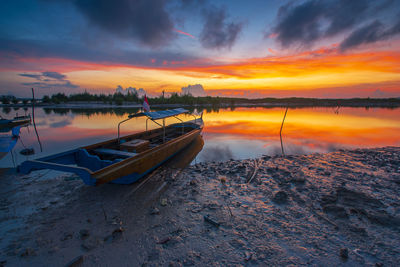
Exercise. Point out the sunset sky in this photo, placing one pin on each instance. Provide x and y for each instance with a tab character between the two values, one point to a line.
252	49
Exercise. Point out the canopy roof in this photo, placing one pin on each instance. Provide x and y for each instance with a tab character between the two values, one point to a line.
156	115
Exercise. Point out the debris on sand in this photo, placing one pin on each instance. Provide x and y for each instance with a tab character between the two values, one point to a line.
319	209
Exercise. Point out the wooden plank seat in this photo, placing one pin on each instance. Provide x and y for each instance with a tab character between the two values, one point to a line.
115	152
135	145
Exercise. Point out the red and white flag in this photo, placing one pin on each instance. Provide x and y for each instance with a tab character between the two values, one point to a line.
146	106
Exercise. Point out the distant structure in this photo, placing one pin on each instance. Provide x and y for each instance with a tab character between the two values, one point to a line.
132	90
194	90
141	92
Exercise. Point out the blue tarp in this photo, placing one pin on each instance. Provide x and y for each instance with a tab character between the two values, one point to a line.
156	115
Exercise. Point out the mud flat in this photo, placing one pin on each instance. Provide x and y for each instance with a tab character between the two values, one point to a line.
341	208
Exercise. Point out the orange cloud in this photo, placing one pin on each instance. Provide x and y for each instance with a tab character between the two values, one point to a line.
184	33
322	69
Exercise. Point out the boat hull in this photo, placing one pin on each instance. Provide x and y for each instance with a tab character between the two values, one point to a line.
95	171
131	170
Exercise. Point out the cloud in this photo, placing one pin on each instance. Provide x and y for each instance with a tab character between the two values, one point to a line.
305	23
194	90
367	34
370	33
144	20
54	75
12	50
217	33
48	80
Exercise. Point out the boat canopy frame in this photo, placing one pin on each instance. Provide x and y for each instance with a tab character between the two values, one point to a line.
154	116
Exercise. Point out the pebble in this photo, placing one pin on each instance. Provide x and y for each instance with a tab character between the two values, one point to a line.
163	202
155	211
84	233
248	256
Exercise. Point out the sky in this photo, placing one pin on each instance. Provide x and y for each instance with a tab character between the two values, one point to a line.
234	48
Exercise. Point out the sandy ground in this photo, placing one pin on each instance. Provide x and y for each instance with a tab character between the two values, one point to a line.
341	208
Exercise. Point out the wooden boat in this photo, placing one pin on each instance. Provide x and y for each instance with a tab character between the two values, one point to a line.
125	159
7	124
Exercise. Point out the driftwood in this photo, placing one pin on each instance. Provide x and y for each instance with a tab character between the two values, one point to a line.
254	172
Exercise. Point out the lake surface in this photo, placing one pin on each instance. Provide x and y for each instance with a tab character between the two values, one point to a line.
238	134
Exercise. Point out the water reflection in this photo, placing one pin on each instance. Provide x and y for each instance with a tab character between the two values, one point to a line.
217	153
239	133
187	155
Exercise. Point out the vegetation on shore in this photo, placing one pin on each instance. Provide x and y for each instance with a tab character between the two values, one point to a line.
189	100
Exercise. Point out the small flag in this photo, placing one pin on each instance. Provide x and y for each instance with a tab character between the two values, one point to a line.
146	106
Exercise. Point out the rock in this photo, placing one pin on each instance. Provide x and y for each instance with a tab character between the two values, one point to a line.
247	256
211	221
154	211
164	240
117	233
76	262
83	234
280	197
163	202
89	244
66	236
344	253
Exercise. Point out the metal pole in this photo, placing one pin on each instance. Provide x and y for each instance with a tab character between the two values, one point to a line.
163	130
280	132
33	119
119	127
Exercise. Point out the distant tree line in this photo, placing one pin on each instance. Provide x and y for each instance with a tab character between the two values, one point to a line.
116	98
189	100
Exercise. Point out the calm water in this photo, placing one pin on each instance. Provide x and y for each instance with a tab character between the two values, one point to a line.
238	134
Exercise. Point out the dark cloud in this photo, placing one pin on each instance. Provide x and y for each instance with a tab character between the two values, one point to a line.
344	14
217	33
54	75
56	80
45	85
299	23
305	23
144	20
367	34
34	76
189	4
12	50
370	33
46	74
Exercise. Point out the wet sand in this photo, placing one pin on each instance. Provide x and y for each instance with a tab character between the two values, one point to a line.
340	208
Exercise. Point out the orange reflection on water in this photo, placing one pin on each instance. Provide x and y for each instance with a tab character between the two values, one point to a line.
351	127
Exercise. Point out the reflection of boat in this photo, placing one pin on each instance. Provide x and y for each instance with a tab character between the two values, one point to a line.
7	142
186	156
6	124
125	159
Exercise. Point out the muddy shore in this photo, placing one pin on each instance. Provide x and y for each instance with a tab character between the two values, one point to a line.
340	208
